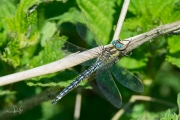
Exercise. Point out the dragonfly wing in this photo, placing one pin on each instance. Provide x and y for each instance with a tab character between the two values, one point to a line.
65	48
89	62
85	31
127	79
108	87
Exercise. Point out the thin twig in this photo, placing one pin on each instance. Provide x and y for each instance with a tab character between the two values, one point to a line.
77	110
28	103
121	19
84	56
134	98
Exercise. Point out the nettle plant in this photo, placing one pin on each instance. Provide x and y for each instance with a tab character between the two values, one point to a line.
32	33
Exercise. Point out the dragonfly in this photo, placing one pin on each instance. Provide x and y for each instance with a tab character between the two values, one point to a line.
105	68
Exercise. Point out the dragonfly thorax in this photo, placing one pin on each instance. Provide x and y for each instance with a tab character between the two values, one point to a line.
108	54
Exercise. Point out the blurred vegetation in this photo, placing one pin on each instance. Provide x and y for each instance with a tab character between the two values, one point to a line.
26	25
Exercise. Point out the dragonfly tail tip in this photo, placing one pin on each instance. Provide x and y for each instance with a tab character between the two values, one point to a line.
54	102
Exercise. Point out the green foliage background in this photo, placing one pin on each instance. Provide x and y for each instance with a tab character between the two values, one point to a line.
24	44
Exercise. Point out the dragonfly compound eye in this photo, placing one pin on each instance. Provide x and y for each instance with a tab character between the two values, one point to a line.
114	42
119	45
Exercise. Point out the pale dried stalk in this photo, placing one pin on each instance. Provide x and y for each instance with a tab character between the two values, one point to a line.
66	62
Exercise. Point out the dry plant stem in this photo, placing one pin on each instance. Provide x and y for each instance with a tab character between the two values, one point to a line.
121	19
148	36
49	68
77	106
29	103
134	98
84	56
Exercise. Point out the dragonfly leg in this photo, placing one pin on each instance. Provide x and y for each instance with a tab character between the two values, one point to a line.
126	45
128	54
175	32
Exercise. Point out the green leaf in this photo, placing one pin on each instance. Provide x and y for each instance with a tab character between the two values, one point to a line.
173	44
170	116
97	18
174	50
23	32
49	113
21	21
148	15
131	63
51	52
167	115
62	79
7	92
47	31
139	112
101	21
173	60
7	9
66	17
178	102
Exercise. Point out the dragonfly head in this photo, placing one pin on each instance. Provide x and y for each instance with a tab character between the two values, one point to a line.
117	44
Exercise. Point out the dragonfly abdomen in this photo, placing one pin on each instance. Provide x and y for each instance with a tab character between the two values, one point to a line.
76	82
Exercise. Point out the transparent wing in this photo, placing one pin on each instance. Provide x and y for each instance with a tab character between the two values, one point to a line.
89	62
85	31
127	79
66	48
108	87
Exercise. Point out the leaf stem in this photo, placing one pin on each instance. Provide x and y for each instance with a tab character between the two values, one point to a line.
121	19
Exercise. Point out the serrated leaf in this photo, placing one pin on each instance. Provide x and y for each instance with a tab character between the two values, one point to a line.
167	115
7	9
47	31
7	92
173	60
13	51
52	51
148	15
170	116
173	44
20	22
152	9
62	79
100	20
23	32
139	113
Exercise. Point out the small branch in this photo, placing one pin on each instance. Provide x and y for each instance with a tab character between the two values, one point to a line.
121	19
84	56
29	103
148	36
51	67
134	98
77	110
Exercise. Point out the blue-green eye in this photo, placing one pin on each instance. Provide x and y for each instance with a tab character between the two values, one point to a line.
119	45
113	42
